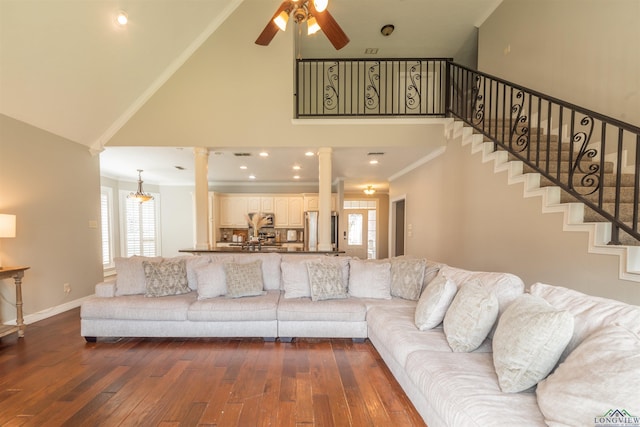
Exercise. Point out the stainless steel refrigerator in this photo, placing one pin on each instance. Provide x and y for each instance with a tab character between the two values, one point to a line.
311	230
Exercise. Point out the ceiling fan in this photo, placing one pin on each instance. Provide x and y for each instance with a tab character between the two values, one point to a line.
314	12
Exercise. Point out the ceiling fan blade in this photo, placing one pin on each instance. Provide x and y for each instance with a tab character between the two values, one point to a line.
330	27
271	29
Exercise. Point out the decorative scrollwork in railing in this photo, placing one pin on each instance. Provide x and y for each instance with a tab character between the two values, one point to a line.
477	98
521	133
330	90
413	98
591	177
372	96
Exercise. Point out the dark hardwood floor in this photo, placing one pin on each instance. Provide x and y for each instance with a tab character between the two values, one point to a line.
53	378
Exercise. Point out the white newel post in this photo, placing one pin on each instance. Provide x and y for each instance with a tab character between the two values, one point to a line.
201	156
324	199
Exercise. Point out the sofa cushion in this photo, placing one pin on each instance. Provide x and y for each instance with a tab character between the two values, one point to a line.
271	275
393	327
434	302
251	308
337	310
590	312
295	279
528	342
167	277
130	279
194	262
470	317
325	280
463	390
138	307
369	279
505	286
407	277
600	376
244	279
211	280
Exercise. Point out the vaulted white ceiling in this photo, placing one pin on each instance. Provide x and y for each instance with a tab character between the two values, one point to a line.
68	68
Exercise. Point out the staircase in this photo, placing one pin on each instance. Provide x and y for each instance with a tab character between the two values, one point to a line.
543	149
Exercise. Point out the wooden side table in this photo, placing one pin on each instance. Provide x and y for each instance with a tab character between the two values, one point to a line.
17	273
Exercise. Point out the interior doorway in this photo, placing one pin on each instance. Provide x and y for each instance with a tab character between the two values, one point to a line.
397	227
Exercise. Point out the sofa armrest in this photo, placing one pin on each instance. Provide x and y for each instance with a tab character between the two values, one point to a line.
106	289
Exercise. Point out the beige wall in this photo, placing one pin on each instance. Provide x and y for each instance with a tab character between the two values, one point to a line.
582	51
52	186
465	215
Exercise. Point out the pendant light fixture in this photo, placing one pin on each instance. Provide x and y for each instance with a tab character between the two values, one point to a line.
140	195
369	190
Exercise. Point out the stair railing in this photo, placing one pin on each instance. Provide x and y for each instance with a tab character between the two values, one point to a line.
594	158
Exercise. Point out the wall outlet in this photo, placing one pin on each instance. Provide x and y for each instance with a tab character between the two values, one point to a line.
67	288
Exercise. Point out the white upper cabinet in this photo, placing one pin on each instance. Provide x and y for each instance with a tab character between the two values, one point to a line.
296	212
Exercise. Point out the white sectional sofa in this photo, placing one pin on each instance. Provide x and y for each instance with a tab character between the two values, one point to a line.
468	348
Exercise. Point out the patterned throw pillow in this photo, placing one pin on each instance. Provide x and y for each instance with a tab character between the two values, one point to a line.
407	276
165	278
325	280
244	280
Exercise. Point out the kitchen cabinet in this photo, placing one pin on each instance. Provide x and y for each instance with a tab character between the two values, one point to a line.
311	202
260	204
296	212
281	211
232	212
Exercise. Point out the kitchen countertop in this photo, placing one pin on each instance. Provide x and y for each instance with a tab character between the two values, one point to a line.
264	249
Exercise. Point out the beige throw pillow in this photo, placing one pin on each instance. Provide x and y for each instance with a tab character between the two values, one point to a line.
165	278
211	280
407	276
370	279
598	378
130	279
244	279
470	317
528	342
325	280
434	302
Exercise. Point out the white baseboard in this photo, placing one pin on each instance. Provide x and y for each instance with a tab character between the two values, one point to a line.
50	312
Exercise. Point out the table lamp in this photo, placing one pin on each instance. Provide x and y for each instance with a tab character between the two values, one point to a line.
7	228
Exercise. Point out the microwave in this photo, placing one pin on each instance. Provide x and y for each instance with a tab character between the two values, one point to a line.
268	216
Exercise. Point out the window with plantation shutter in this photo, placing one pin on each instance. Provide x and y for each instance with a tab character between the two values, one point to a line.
106	226
140	227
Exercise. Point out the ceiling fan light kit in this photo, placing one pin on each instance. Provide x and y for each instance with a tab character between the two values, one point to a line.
313	12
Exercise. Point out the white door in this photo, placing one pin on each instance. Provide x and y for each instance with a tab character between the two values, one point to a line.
355	243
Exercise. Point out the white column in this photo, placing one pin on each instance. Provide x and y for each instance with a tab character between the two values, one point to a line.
201	160
324	199
340	210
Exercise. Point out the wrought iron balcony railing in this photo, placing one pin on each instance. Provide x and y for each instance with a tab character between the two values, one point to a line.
363	87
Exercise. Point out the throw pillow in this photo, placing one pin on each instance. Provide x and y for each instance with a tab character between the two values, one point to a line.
165	278
370	279
244	279
194	262
295	279
407	275
434	302
470	317
325	280
130	279
528	342
599	377
211	280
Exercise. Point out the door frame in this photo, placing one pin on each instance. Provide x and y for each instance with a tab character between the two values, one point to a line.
393	204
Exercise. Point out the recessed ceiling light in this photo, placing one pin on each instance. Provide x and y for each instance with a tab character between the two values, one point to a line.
243	167
373	162
296	177
309	153
264	154
121	18
296	168
252	177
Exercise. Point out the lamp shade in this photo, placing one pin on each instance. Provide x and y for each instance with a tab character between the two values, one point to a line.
7	225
